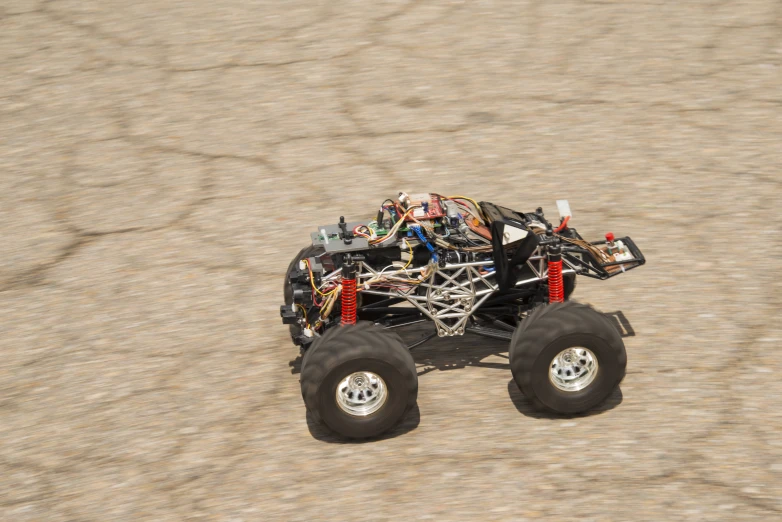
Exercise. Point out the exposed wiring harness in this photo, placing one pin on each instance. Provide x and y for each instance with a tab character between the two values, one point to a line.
380	278
365	231
304	310
392	233
424	233
479	213
312	281
599	254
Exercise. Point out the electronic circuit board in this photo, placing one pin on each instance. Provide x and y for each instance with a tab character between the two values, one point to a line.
430	207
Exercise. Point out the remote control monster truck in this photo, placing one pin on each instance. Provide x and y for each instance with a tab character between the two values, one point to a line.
468	267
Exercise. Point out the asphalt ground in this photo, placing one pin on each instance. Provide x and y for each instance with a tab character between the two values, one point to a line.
161	162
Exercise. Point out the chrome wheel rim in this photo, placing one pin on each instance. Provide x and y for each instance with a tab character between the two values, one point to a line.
573	369
361	393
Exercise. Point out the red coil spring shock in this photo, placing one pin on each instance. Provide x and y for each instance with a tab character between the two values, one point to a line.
556	286
348	301
348	293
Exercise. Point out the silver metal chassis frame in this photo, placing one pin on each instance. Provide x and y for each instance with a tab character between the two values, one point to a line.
463	290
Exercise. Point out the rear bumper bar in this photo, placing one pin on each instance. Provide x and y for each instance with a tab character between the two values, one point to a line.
586	263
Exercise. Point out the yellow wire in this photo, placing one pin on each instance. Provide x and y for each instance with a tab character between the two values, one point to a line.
305	314
412	281
312	280
411	253
477	207
395	228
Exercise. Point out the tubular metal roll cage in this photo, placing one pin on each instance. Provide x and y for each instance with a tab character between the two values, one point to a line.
453	299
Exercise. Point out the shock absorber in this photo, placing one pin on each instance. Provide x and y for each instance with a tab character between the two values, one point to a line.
556	286
348	292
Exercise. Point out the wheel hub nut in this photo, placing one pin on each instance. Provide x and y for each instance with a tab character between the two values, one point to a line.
361	393
573	369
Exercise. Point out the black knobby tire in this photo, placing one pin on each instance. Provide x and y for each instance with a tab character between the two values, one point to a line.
287	291
569	281
362	347
549	330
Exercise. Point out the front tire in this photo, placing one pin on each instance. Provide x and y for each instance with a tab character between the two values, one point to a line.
567	357
359	380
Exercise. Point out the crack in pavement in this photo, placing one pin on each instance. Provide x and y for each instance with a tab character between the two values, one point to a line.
251	445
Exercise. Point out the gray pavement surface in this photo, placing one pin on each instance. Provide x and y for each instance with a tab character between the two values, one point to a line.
161	162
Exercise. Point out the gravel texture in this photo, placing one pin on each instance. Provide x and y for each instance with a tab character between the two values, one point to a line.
160	163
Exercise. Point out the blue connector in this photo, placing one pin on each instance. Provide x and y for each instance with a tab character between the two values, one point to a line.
422	237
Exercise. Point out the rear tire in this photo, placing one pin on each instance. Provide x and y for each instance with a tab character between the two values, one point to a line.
368	362
567	337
